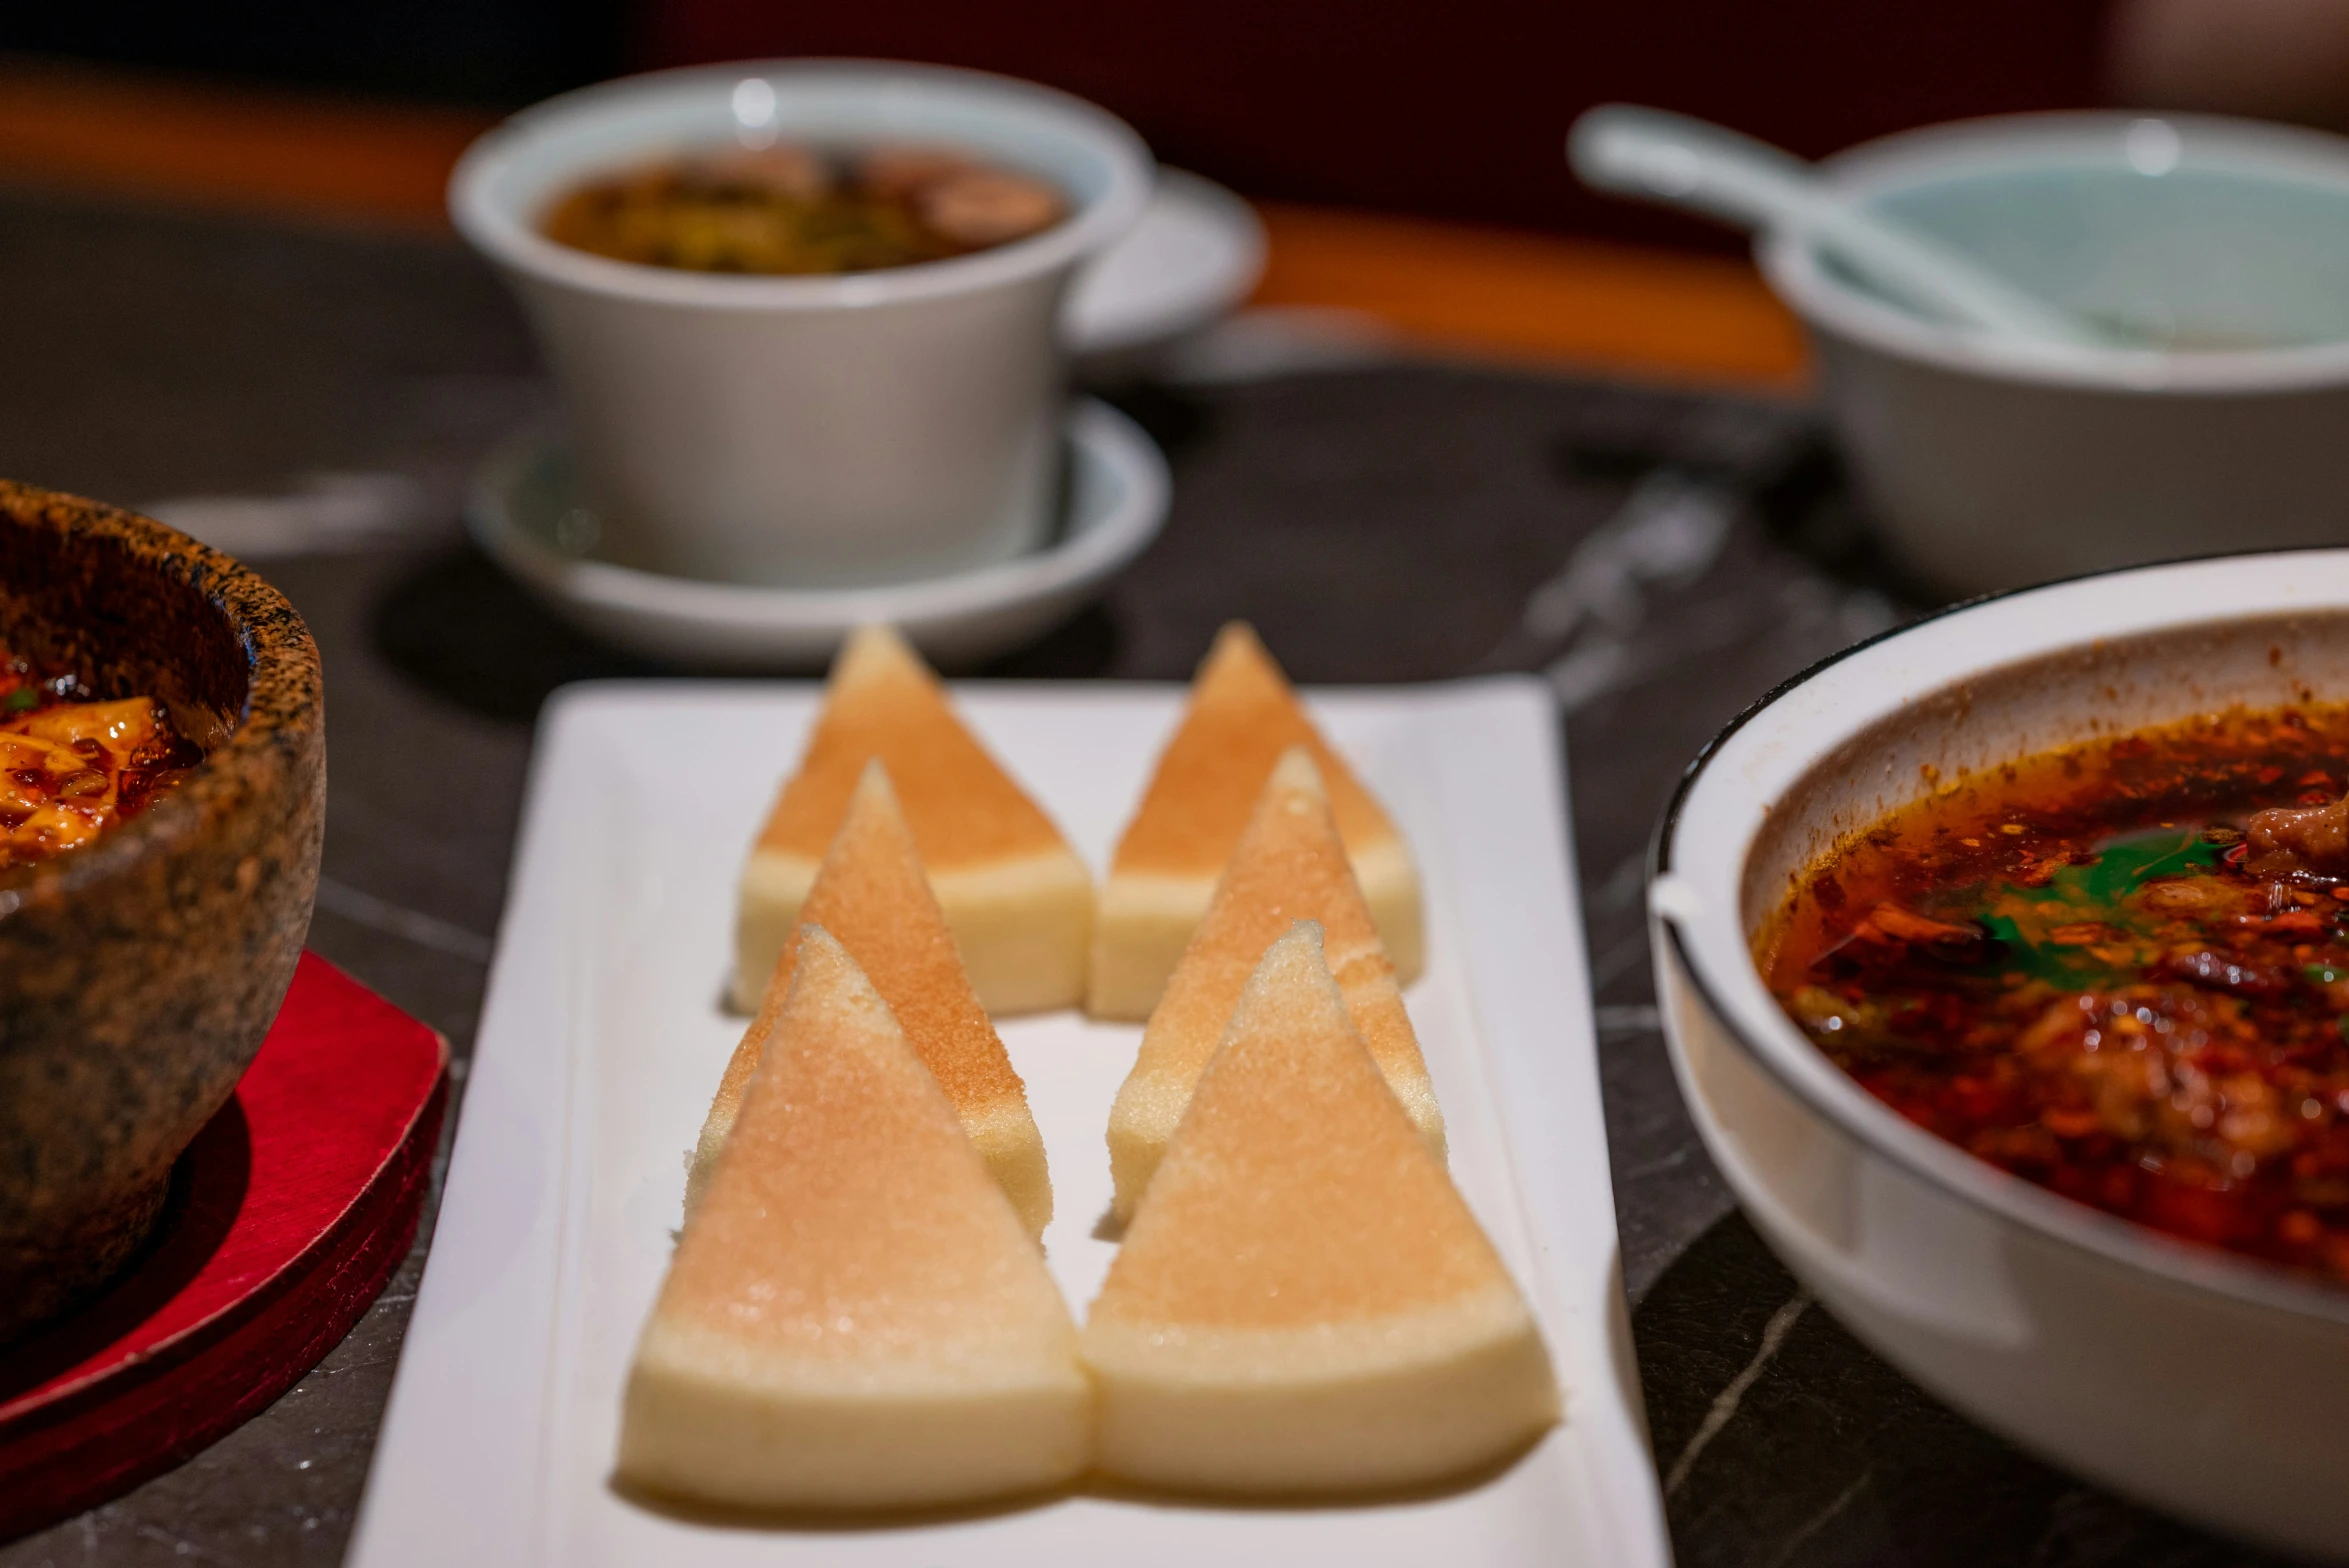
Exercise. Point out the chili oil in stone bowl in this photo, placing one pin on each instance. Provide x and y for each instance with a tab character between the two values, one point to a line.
139	973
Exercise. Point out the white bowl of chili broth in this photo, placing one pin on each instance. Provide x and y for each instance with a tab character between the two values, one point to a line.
2004	962
802	314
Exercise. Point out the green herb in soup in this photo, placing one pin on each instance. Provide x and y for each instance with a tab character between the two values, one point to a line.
797	211
2120	970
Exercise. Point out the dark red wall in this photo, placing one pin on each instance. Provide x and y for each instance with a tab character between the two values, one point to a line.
1454	108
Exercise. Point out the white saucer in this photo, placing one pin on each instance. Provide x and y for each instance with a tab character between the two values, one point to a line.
1194	256
523	500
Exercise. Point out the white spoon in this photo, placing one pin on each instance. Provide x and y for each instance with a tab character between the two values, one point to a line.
1676	161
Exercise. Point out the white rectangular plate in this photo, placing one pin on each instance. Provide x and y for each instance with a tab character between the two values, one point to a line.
602	1040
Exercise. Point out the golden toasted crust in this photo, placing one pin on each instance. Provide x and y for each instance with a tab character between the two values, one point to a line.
884	702
1019	902
1241	717
846	1189
1288	866
1295	1189
1303	1303
853	1316
871	894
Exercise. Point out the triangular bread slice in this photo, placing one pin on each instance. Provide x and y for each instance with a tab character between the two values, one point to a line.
1019	902
1303	1303
854	1317
870	893
1242	716
1288	866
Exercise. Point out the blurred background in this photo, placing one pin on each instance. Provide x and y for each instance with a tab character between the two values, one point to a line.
1438	109
1453	109
1333	115
1448	110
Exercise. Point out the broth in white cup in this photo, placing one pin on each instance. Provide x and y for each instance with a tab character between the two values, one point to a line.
810	431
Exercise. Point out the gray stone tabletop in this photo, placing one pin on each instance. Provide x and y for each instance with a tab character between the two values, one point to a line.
314	399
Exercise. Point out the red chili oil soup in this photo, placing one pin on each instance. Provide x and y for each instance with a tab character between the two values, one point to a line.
2119	970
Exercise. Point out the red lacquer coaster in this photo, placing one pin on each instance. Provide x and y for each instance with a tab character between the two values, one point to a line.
287	1214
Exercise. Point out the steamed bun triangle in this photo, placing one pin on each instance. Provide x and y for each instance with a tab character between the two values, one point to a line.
871	894
1303	1303
1242	716
1289	865
1019	901
855	1317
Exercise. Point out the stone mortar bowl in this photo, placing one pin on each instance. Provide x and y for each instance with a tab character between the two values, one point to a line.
139	974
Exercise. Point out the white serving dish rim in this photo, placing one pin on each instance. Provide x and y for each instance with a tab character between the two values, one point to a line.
504	234
2085	136
1698	908
1127	526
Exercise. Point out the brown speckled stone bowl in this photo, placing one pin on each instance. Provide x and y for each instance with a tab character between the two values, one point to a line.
138	974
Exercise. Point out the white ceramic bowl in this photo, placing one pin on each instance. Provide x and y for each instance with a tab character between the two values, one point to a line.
817	432
2194	1380
1991	466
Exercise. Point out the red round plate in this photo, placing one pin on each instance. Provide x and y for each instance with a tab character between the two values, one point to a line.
288	1213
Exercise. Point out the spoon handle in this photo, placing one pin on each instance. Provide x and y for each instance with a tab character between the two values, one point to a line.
1676	161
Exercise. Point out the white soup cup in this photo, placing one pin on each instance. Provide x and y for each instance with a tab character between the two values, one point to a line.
833	431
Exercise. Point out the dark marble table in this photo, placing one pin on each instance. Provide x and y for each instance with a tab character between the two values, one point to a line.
1378	523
